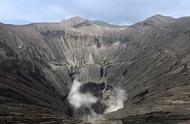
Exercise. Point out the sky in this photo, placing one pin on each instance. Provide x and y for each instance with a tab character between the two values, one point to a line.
123	12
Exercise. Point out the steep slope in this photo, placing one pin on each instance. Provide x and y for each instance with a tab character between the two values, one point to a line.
150	60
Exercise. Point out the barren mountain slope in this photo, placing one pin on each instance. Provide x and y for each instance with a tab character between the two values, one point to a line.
150	60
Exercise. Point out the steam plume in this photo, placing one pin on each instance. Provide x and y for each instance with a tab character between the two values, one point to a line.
116	100
113	99
77	99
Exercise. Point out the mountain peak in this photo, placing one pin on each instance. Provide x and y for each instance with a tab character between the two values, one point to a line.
77	18
71	22
159	19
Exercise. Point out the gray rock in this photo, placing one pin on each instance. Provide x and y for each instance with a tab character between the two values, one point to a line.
150	60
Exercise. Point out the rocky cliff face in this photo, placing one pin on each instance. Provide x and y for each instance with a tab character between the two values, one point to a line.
150	60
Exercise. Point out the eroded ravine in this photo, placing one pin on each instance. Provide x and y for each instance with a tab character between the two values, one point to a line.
91	95
41	64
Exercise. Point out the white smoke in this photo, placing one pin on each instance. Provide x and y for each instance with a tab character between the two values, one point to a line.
93	117
116	100
77	99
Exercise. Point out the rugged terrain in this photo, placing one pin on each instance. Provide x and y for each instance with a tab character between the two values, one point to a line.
149	59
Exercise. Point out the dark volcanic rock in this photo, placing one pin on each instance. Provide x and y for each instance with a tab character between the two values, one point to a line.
150	60
93	88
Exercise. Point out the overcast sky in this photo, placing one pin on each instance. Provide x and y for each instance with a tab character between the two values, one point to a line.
112	11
